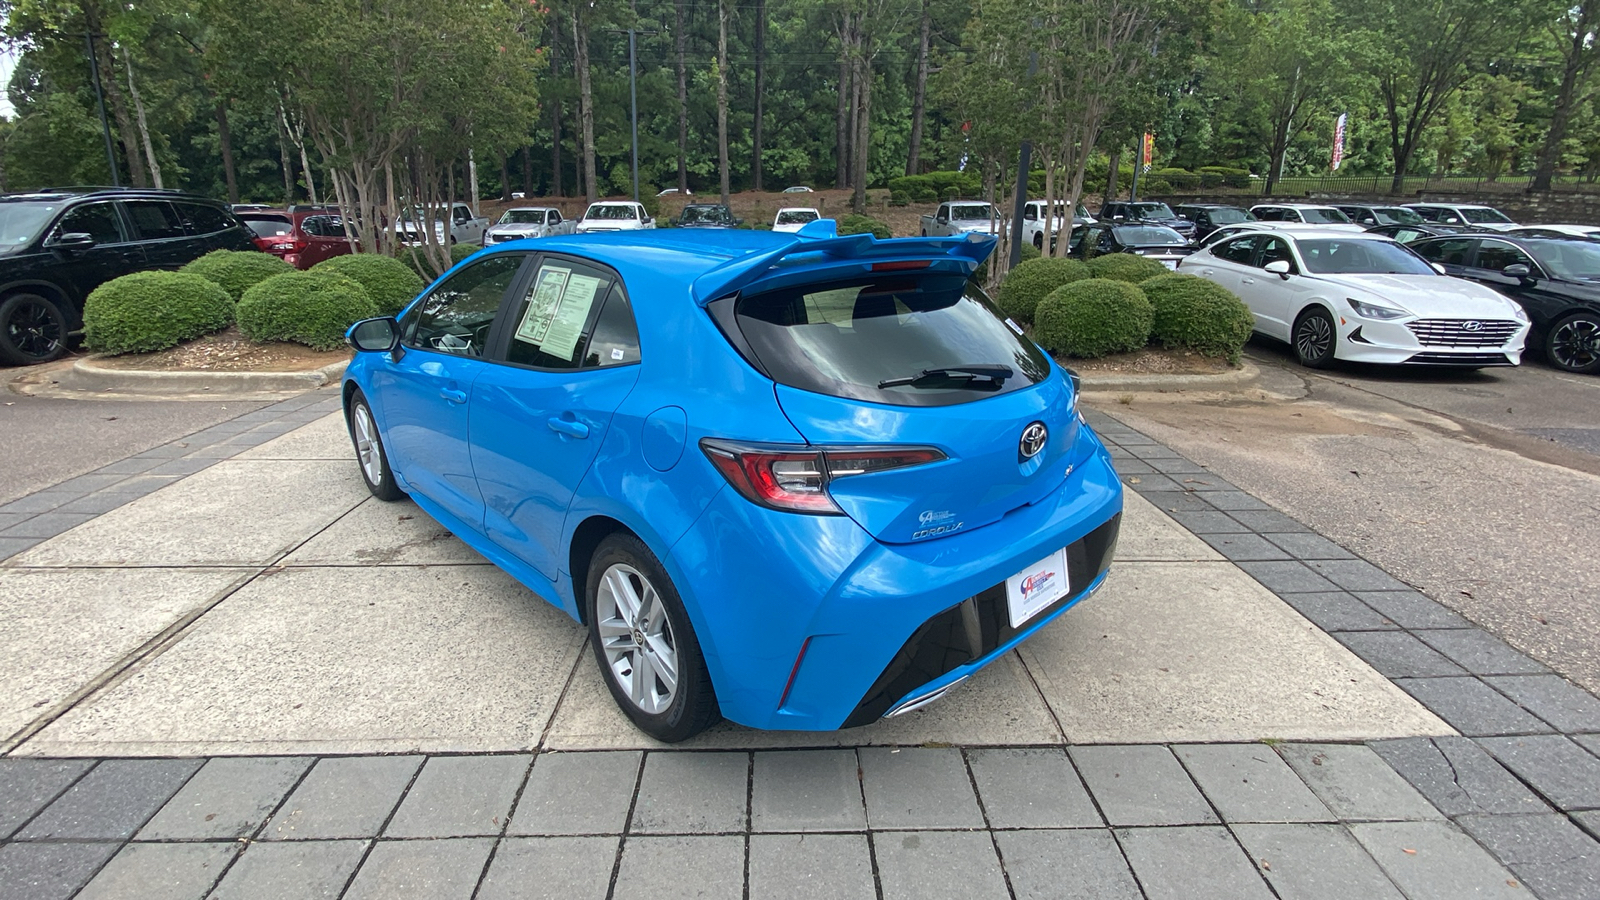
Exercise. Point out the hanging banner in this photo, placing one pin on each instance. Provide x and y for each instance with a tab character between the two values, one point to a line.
1338	140
1147	150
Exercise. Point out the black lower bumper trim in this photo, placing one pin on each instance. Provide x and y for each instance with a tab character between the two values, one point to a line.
1460	359
974	628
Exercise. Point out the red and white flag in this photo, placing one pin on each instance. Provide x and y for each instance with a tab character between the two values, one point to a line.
1338	140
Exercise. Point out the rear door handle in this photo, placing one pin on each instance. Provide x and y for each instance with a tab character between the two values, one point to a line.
568	427
1208	272
453	396
1247	281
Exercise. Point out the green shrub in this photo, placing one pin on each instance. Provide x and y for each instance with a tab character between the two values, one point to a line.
389	282
237	270
1197	314
1154	185
854	224
1093	317
1179	179
1029	251
1230	177
1033	280
1129	267
311	308
149	311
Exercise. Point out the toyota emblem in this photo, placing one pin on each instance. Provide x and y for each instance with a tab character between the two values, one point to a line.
1033	440
1472	326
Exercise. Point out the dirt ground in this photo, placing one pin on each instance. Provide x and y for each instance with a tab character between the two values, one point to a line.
1151	361
753	207
228	351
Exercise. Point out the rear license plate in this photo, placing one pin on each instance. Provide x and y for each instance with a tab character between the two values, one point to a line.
1170	263
1036	587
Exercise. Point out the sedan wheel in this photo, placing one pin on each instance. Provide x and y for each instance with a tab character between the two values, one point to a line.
1313	338
644	643
1574	344
32	330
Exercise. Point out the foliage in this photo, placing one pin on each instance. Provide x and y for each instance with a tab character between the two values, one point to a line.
854	224
1129	267
236	271
149	311
1032	281
981	275
936	186
311	308
1093	317
420	263
390	283
1199	315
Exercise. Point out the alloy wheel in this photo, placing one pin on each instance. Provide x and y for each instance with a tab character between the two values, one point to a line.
1314	337
636	634
367	444
1575	344
34	328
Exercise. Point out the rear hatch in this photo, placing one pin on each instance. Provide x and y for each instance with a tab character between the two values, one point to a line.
916	360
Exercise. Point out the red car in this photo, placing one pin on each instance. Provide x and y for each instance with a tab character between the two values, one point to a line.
301	235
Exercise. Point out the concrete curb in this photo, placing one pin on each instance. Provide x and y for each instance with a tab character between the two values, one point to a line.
85	375
1246	375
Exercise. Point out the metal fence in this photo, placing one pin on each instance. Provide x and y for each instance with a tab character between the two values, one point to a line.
1416	184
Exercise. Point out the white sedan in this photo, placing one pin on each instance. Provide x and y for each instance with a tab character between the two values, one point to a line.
794	218
1363	298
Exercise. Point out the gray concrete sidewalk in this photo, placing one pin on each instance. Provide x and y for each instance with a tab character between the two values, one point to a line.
189	665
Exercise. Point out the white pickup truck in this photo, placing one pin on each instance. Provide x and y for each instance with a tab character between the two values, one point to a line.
615	215
1034	222
960	217
465	228
528	222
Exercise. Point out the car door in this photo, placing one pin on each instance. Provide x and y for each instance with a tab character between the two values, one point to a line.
1273	299
567	359
1488	267
157	226
1227	263
422	395
111	255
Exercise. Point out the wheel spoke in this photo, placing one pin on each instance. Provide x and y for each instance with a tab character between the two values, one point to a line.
614	628
643	687
622	594
664	661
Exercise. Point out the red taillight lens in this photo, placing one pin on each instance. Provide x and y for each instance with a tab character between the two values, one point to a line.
796	478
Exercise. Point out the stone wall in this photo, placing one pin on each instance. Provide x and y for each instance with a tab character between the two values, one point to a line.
1528	209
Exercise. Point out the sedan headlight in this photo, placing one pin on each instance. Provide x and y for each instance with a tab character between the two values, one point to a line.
1374	311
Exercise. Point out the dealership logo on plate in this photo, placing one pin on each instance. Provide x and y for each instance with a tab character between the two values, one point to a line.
1038	581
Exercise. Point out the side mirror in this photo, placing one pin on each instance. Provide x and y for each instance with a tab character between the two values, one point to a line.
1278	267
381	335
72	240
1439	267
1516	270
942	219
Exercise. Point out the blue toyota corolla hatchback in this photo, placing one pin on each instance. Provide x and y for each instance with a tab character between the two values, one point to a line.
798	481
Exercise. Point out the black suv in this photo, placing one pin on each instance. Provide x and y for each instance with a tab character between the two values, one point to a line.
58	244
1208	217
1148	212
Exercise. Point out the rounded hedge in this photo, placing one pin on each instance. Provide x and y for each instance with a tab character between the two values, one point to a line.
390	283
149	311
237	270
1197	314
1128	267
1094	317
311	308
1033	280
857	224
1029	251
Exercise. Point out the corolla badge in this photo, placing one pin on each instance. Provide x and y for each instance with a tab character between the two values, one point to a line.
936	522
1033	441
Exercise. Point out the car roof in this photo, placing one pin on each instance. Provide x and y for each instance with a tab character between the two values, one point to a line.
1296	205
74	193
1447	205
530	209
800	209
614	203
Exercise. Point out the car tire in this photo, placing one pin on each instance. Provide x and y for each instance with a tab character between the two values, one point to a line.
33	329
1573	343
1038	242
371	457
644	643
1313	338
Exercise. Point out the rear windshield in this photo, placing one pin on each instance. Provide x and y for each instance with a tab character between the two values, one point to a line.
1396	215
847	338
267	226
1227	215
1149	235
1483	215
1323	215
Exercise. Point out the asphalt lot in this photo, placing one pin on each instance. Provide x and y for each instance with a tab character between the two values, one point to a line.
1482	489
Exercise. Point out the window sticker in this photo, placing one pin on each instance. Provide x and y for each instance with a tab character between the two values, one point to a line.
561	337
542	304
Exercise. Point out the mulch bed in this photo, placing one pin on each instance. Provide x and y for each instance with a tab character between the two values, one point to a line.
227	351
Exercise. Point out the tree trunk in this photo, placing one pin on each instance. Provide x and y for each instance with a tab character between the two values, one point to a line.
680	37
144	126
113	91
580	44
1112	174
527	172
505	177
863	141
225	142
722	97
287	163
555	131
914	156
841	178
1579	56
761	90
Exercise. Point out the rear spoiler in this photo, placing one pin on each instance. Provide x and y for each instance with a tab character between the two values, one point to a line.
817	243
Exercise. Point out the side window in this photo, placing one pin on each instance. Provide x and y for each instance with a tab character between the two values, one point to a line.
555	217
1496	255
461	214
615	341
323	226
1428	214
551	320
1276	249
1269	214
1238	250
154	219
203	219
1293	215
1406	235
457	317
1451	252
97	220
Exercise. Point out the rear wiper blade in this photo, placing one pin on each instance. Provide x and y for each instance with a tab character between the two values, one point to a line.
992	375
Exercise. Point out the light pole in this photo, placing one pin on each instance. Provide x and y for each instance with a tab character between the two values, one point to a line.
633	96
1024	163
105	128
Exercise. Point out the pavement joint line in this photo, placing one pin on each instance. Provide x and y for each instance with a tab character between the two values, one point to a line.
377	836
577	662
749	816
983	810
866	820
627	823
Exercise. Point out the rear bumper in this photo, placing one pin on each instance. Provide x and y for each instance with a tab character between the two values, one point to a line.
761	585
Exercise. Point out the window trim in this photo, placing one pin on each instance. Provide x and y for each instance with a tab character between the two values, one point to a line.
139	237
123	222
1534	267
500	336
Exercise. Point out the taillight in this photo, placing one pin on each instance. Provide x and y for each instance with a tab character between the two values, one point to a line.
795	478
